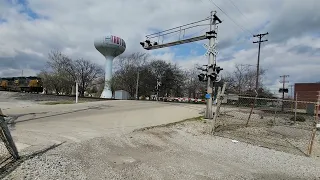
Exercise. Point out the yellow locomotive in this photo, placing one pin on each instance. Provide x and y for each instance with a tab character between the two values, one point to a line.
31	84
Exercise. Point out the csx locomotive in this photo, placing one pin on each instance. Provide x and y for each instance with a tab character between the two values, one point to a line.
30	84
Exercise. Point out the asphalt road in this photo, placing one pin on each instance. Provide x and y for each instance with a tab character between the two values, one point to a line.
34	125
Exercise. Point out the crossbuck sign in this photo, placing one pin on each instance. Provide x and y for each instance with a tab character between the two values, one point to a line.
210	49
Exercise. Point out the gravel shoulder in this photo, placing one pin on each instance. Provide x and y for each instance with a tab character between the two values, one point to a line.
179	151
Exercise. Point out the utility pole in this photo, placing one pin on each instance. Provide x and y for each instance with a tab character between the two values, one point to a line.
258	63
137	85
283	89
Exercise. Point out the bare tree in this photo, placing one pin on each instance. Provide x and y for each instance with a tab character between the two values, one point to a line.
84	72
192	83
125	75
113	83
129	66
232	85
250	78
243	79
241	76
52	82
58	67
63	72
98	83
174	81
133	60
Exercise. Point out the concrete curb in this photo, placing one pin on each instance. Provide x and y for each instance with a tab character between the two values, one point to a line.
169	124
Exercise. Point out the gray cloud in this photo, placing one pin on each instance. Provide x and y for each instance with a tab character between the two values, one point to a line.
14	65
72	25
302	49
295	19
22	60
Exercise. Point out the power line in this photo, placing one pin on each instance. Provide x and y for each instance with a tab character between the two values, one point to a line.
244	29
245	17
238	9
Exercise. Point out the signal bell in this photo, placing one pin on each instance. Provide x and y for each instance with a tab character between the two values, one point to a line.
202	77
218	69
213	77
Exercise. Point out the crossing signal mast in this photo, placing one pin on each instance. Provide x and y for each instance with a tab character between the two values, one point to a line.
211	74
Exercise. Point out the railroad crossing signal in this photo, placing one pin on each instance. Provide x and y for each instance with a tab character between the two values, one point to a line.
285	90
147	44
202	77
210	49
211	72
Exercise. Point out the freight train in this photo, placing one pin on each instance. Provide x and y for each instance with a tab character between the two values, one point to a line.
30	84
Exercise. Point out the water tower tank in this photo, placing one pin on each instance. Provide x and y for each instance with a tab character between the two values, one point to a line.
110	47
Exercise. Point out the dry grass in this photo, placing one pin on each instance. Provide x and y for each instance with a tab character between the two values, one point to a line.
61	102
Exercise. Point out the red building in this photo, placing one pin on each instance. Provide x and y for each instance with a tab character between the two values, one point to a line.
307	91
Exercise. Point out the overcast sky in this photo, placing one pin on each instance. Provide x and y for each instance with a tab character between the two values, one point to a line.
29	29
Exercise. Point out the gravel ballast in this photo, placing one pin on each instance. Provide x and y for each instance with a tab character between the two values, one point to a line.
181	151
6	96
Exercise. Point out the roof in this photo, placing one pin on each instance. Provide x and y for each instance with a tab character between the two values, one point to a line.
307	83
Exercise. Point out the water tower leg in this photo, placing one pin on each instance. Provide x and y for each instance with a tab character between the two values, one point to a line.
106	93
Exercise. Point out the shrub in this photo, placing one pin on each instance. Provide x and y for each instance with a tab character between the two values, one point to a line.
298	118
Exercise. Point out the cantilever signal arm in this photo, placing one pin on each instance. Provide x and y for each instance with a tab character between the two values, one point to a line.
177	42
208	35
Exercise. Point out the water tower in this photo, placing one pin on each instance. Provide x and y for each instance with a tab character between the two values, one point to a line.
110	47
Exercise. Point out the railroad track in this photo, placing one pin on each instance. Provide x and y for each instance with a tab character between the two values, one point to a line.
52	97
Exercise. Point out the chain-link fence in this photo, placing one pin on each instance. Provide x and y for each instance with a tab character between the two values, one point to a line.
8	149
285	125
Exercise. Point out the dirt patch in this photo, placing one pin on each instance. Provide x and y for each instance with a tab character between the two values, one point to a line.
60	102
275	131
